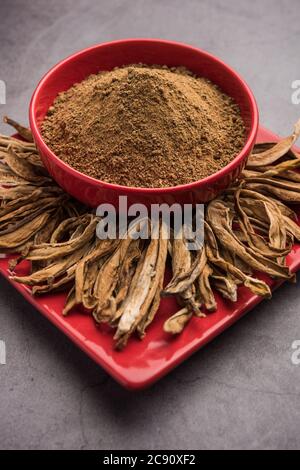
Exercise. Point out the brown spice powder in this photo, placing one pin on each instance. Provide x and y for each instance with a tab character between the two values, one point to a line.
145	126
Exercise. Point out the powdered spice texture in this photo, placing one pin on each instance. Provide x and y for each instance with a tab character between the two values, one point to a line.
145	127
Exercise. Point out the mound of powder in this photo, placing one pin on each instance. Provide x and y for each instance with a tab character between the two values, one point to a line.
145	126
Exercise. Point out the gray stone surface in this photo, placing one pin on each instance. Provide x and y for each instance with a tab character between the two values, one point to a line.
242	390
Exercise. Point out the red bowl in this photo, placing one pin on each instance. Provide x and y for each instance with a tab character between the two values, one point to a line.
150	51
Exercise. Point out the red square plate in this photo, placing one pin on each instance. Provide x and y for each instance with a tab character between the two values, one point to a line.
143	362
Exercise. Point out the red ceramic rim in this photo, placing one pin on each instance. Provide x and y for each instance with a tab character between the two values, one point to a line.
169	189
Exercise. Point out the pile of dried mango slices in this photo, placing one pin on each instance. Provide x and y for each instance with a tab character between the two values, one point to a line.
250	228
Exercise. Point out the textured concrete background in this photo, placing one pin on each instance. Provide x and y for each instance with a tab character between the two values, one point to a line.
242	390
